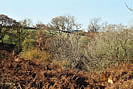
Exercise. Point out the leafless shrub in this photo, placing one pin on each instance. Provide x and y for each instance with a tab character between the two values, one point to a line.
66	48
110	48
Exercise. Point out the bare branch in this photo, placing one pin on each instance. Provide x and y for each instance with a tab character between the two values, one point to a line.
130	9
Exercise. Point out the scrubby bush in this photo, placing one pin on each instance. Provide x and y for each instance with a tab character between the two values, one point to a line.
85	52
66	47
33	47
109	48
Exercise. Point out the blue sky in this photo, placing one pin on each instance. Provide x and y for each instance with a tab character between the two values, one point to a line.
112	11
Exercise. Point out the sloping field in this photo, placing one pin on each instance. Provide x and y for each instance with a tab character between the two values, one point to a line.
24	74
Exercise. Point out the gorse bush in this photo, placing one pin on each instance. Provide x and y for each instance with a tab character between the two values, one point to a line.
29	41
28	44
32	46
35	54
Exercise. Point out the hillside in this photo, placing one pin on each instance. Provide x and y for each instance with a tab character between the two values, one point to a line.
62	55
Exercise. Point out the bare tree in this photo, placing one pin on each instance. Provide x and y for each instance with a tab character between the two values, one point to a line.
41	26
6	21
94	25
65	23
26	23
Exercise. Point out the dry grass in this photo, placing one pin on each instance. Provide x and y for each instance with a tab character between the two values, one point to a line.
35	54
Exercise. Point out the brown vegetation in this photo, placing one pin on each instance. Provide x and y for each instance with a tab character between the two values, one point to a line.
25	74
